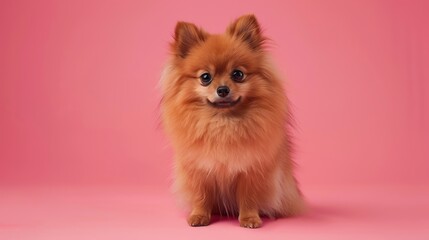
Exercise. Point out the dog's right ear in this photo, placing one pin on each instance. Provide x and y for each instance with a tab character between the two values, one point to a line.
186	36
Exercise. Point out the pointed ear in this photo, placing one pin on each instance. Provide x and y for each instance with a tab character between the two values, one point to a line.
186	36
247	29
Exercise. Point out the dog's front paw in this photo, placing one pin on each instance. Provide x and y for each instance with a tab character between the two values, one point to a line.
251	222
198	220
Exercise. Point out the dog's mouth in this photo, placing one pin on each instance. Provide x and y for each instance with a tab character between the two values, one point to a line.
224	103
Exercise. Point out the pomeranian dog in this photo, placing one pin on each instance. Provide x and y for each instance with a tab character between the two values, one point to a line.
227	115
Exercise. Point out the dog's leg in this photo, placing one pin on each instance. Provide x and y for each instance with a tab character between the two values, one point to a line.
202	201
248	193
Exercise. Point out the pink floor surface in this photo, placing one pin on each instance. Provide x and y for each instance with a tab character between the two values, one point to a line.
364	212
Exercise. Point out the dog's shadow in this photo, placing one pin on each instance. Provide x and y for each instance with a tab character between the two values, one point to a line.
315	214
319	212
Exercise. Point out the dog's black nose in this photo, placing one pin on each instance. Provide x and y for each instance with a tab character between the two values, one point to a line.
222	91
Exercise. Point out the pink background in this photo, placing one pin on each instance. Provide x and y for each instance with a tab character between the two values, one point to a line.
79	109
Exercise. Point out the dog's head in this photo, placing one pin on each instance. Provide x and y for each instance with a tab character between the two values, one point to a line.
220	71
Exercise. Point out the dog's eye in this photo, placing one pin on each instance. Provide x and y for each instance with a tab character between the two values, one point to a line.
237	75
206	79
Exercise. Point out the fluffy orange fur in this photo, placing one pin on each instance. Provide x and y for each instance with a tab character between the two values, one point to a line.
231	158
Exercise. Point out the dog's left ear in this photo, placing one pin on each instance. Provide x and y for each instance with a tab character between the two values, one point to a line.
247	29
